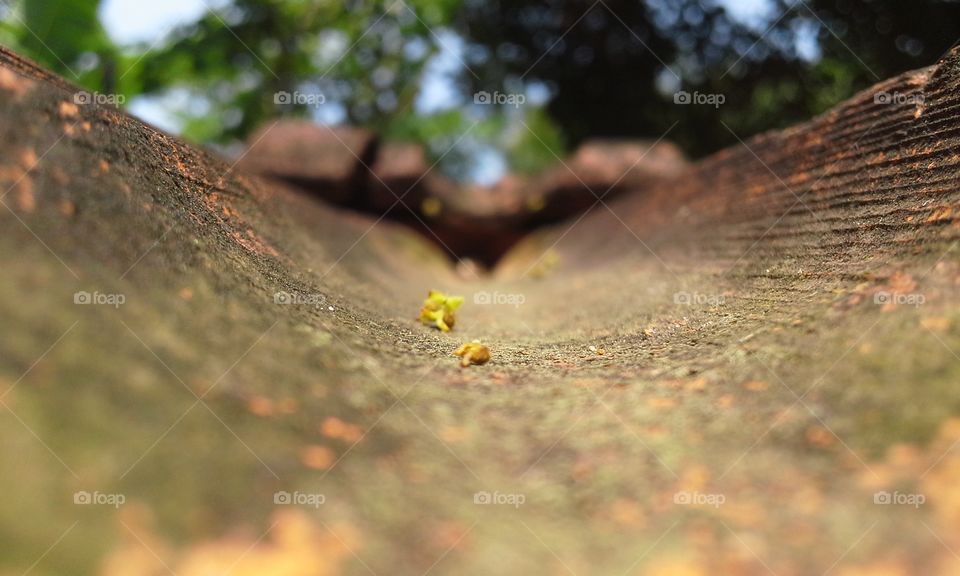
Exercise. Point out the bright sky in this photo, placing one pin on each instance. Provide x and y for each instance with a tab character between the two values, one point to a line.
145	20
754	12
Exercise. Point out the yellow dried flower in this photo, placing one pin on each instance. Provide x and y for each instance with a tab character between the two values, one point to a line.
472	353
438	310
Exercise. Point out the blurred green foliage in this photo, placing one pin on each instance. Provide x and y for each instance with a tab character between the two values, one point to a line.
67	37
609	68
613	66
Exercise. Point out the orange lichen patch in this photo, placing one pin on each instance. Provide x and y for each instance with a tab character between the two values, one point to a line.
756	190
27	159
186	294
215	202
662	403
949	431
14	83
902	462
942	489
901	283
454	434
240	232
317	457
626	512
940	484
798	179
877	158
176	160
696	385
17	176
260	406
903	456
932	473
948	565
67	207
819	436
876	568
936	323
103	166
756	386
656	431
296	545
139	551
68	110
673	566
253	243
939	214
336	428
694	478
26	199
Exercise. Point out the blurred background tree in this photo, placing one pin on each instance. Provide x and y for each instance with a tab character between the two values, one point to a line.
409	69
612	66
